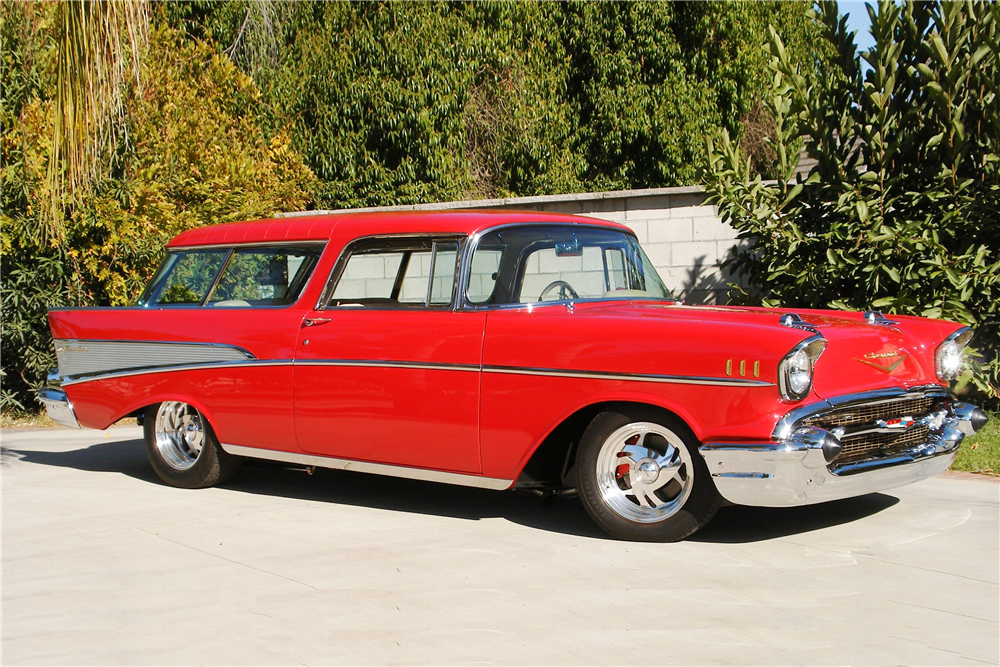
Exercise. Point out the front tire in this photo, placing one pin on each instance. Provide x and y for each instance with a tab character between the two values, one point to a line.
641	477
182	447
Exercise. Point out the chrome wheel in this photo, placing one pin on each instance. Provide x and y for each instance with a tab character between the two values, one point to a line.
179	433
644	472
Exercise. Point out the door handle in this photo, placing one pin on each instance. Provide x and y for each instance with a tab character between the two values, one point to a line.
315	321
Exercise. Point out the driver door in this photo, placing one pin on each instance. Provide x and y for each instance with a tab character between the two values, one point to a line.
388	371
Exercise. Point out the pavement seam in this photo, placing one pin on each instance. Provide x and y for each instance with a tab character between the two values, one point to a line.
944	611
228	560
891	562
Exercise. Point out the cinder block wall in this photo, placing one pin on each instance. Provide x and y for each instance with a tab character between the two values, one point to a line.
685	239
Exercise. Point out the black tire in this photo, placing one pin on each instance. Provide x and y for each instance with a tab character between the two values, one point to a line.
685	502
178	464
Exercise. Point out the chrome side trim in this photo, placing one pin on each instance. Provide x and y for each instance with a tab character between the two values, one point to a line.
423	474
59	407
67	379
633	377
374	363
90	357
147	370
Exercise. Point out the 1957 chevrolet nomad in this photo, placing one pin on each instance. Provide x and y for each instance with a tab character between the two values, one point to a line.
501	350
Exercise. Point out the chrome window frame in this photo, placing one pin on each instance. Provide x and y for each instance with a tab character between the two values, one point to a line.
465	270
340	265
232	248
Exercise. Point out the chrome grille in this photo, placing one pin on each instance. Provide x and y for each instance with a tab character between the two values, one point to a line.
867	413
869	445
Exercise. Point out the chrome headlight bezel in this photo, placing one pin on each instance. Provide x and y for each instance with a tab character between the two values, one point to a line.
800	359
949	356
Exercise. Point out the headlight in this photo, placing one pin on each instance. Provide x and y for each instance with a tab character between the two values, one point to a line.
949	360
795	372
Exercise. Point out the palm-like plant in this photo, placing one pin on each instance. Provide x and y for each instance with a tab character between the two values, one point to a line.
100	43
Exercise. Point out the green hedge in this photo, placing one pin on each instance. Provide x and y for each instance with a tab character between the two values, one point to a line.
902	210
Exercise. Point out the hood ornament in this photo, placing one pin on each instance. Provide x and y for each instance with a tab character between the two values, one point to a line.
794	321
876	317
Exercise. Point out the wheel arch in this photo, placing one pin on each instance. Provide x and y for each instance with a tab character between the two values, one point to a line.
550	462
140	407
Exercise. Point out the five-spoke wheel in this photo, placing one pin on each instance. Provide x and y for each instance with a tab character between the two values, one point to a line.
182	448
640	477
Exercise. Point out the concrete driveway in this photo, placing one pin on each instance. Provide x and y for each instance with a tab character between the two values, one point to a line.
103	564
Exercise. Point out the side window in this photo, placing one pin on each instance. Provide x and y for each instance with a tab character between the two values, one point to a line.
398	274
265	276
548	272
483	277
185	277
523	264
615	260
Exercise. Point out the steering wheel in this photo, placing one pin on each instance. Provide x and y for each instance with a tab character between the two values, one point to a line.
564	288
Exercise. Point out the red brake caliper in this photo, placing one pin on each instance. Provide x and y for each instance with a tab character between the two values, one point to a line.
622	468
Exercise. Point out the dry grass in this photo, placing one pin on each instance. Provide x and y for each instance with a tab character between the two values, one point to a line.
38	419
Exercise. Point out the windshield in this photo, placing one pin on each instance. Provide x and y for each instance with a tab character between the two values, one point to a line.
538	263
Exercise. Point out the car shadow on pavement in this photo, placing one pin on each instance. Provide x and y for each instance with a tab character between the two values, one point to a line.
731	525
738	524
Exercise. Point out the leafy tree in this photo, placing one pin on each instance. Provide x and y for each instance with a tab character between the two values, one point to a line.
404	103
902	210
349	104
197	157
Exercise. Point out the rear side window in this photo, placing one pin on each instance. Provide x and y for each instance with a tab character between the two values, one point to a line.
264	276
232	277
184	278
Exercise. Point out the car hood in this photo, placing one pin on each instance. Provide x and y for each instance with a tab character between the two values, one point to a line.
859	356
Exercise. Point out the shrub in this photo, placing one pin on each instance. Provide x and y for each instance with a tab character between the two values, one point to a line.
902	210
195	156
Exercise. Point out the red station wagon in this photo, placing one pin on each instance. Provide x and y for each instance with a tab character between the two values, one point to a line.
506	350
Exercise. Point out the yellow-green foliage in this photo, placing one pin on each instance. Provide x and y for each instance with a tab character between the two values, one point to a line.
386	103
194	156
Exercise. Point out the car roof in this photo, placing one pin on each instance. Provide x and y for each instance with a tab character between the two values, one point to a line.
354	225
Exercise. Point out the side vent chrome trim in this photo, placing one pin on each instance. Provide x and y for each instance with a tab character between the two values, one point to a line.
92	357
423	474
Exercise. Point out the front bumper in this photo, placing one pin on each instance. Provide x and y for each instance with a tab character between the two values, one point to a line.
800	467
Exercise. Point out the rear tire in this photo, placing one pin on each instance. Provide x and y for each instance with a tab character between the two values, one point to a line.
182	447
641	477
